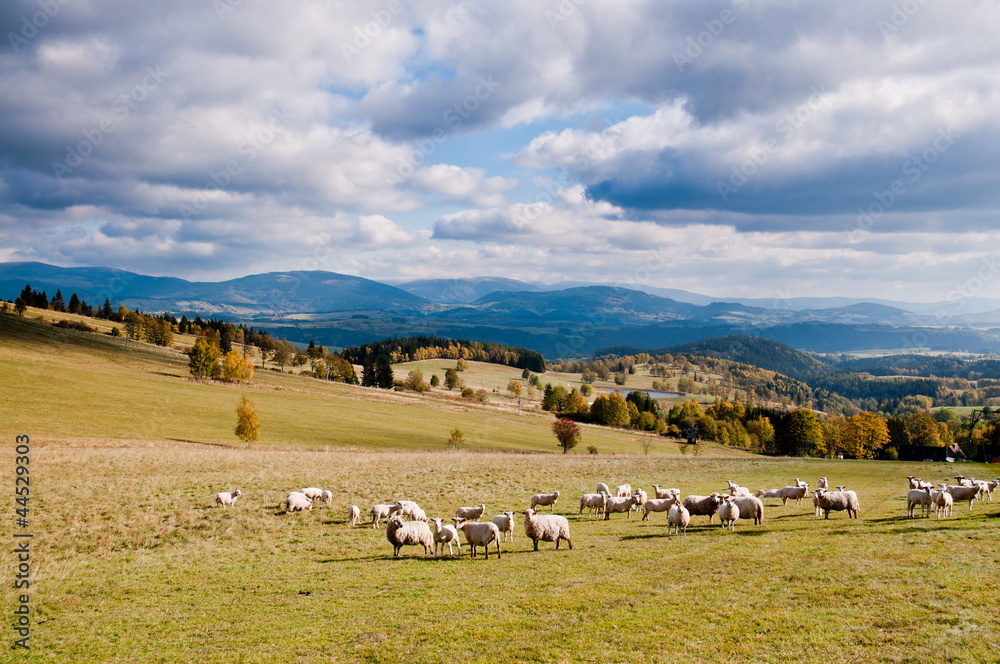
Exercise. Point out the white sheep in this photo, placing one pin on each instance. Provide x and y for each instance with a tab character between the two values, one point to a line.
943	503
411	509
751	507
658	505
601	486
619	504
353	515
737	490
545	499
678	517
837	501
312	493
729	513
471	513
326	497
665	493
703	505
404	533
796	493
296	500
799	482
380	512
445	534
823	483
769	493
505	522
593	501
624	491
960	493
227	498
920	497
479	534
546	528
641	495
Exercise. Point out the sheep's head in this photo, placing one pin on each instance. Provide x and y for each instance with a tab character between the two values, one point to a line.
529	513
238	492
557	494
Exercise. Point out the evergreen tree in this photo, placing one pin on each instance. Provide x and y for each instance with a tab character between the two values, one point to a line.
74	304
383	374
106	309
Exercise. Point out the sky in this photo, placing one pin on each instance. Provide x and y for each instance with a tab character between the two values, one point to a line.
741	148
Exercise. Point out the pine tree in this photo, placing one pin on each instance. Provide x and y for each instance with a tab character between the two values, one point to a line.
74	304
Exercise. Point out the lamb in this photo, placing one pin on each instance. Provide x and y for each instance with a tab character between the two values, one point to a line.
380	512
624	491
546	527
479	534
619	504
770	493
960	493
796	493
678	517
665	493
411	509
837	501
296	500
471	513
750	507
601	486
729	513
920	497
658	505
326	497
446	534
312	493
944	503
593	501
703	505
353	515
404	533
545	499
505	522
227	498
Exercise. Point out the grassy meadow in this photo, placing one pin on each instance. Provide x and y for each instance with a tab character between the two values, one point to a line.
133	562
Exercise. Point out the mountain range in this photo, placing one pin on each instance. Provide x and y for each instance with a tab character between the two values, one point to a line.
336	309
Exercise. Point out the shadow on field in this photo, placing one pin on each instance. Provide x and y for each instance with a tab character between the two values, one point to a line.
198	442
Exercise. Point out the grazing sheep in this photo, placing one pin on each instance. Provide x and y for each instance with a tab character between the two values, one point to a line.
479	534
920	497
624	491
227	498
471	513
326	497
619	504
678	517
446	534
770	493
703	505
960	493
380	512
545	499
593	501
943	503
296	500
665	493
796	493
312	493
658	505
601	486
729	513
405	533
546	527
353	515
411	509
751	507
505	522
837	501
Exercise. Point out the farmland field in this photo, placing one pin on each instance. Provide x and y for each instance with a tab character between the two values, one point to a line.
133	562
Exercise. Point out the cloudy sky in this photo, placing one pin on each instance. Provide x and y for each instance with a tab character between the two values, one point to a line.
758	148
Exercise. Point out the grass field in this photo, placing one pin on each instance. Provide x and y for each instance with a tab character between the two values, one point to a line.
133	562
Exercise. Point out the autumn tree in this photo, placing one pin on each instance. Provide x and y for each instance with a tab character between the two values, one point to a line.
567	433
864	435
451	380
457	438
236	368
923	430
801	433
204	359
515	388
247	421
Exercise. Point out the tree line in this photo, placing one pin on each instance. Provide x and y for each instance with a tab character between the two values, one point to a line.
424	347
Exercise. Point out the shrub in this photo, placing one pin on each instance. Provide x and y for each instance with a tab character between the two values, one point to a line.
481	395
468	393
592	449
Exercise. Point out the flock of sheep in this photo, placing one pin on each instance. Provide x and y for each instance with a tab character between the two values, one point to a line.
408	525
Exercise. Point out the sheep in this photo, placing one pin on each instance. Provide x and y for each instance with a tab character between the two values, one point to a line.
920	497
545	499
380	512
479	534
411	509
619	504
227	498
658	505
665	493
914	482
505	522
353	515
770	493
642	497
678	517
823	483
446	534
796	493
960	493
593	501
836	501
964	481
991	487
818	511
799	482
326	497
471	513
750	507
703	505
624	491
312	493
943	503
729	513
737	490
403	533
296	500
601	486
546	527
